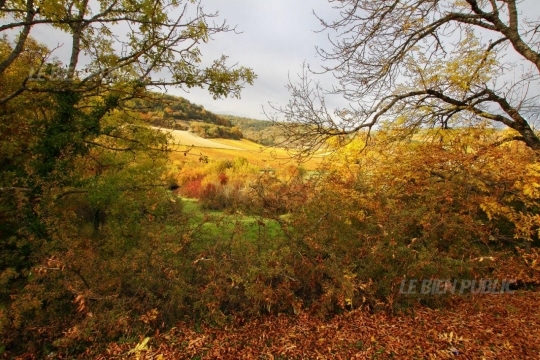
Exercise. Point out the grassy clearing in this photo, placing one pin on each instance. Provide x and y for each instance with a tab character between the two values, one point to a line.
242	144
215	226
187	138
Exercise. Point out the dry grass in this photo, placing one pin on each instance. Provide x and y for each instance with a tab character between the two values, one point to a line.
256	154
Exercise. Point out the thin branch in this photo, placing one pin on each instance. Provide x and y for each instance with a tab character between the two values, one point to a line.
127	188
30	13
14	188
506	140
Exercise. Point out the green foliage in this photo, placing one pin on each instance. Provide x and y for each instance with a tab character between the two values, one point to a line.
91	239
215	131
173	111
67	131
260	131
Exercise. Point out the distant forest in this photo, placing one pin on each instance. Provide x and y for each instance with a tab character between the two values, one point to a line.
260	131
175	112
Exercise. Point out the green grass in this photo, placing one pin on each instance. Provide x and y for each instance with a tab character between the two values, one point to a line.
215	226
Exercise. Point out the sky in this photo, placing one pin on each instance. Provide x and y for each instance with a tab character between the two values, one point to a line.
277	37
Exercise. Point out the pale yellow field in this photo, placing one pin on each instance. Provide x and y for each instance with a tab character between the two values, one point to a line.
185	138
256	154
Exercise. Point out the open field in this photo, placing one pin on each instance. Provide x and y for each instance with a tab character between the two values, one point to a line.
228	149
186	138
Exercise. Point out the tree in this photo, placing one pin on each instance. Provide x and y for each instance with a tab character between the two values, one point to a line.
158	37
413	64
83	178
53	112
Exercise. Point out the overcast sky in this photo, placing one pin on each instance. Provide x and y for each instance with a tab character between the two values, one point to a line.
277	37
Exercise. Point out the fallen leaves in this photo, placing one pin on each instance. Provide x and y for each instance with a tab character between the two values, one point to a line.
496	326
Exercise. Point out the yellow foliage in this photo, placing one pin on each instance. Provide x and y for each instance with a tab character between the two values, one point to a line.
455	173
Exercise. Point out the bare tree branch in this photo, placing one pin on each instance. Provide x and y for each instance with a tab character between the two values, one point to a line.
422	60
30	13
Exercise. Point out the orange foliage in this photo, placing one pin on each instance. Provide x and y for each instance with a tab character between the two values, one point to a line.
491	327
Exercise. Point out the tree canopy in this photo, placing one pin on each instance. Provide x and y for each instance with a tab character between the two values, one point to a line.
135	41
412	64
84	179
